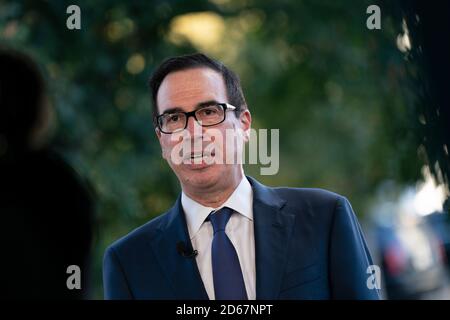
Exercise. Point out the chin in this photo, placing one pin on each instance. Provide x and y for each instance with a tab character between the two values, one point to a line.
201	178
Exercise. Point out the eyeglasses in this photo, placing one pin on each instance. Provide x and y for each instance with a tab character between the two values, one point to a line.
205	116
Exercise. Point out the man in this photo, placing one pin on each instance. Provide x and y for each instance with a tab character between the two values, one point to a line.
228	236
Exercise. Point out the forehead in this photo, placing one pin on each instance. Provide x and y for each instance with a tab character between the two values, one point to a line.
187	88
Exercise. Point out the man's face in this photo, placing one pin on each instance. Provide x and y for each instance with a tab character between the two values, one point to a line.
186	90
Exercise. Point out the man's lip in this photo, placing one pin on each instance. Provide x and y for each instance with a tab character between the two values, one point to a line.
196	163
195	155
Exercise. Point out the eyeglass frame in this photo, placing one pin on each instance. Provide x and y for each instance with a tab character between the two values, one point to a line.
225	106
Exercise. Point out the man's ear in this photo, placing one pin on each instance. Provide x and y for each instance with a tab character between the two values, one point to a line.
245	119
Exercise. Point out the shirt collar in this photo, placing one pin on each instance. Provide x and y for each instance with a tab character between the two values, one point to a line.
241	201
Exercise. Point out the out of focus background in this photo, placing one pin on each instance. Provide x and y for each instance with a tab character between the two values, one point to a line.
361	112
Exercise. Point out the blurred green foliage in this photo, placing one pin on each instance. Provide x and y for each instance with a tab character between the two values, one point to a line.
310	68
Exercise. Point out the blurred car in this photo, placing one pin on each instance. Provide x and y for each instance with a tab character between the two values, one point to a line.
440	222
412	258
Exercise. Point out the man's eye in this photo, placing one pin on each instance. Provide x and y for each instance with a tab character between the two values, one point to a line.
208	112
174	118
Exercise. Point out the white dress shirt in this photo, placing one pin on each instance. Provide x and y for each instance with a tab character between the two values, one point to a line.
239	229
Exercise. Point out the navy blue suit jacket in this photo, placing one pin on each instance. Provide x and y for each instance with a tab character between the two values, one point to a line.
308	245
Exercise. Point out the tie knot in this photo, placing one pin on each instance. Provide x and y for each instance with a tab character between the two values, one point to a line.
219	218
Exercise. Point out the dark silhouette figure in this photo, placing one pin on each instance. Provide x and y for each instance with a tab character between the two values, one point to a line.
45	209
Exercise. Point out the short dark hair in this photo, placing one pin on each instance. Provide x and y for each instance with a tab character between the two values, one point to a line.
197	60
22	89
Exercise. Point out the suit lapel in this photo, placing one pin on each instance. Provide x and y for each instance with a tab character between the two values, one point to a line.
273	229
181	272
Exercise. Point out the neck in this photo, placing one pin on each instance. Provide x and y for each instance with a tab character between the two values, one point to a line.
215	196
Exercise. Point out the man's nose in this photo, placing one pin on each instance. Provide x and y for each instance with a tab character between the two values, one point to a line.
194	127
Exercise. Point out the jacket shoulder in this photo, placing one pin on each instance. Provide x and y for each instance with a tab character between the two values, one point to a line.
319	203
142	234
309	195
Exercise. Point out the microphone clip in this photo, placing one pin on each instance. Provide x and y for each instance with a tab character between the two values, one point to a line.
184	251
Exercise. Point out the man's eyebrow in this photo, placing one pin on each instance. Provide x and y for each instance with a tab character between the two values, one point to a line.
206	103
199	105
173	110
